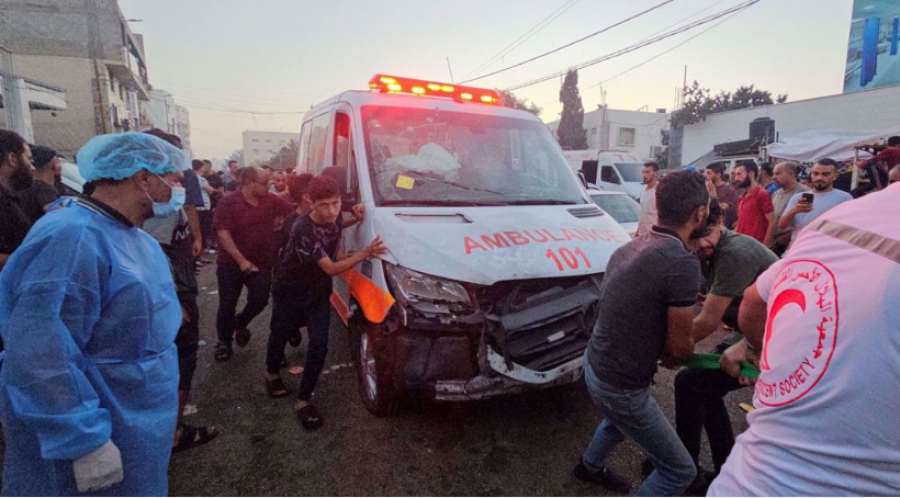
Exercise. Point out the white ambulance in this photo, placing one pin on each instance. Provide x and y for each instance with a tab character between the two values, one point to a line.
495	252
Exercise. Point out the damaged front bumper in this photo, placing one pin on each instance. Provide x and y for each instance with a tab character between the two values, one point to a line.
502	380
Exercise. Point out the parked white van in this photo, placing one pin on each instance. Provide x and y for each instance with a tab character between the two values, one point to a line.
495	252
610	170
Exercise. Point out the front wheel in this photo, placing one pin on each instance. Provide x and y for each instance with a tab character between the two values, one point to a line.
373	368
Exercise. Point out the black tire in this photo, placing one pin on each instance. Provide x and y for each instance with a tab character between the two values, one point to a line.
371	357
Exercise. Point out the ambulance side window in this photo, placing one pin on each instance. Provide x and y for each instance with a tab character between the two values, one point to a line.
317	141
344	152
303	166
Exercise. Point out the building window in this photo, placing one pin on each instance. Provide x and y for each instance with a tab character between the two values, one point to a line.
593	131
256	151
626	137
254	140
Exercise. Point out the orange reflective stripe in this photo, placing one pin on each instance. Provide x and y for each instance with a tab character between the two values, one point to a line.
374	301
341	307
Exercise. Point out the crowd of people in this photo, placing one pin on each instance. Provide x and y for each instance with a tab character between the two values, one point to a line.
706	243
95	400
110	280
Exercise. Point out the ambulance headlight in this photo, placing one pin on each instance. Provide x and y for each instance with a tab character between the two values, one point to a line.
429	294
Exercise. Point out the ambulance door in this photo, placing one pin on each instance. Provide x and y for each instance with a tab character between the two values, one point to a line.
343	145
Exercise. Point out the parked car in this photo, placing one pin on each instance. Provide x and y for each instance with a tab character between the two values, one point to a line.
625	210
619	171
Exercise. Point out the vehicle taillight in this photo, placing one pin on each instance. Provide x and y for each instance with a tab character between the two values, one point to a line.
394	84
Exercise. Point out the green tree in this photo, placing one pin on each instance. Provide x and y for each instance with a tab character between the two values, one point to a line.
509	99
286	158
571	132
700	103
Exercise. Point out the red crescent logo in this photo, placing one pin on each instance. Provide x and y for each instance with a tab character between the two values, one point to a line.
790	296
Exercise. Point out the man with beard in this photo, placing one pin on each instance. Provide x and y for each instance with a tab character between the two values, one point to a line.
755	210
731	262
16	172
722	193
786	179
801	212
47	170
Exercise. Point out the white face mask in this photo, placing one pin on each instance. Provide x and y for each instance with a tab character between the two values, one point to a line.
176	201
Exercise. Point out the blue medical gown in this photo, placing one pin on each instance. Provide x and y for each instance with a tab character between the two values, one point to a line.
88	314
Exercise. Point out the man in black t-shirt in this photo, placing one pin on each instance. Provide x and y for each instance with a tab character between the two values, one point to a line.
301	290
646	311
47	170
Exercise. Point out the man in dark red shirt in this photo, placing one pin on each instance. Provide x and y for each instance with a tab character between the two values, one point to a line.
888	158
245	224
756	213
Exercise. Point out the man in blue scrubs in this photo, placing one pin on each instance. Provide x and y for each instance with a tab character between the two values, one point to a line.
88	313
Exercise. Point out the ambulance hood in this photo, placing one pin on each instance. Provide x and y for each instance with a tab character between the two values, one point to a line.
485	245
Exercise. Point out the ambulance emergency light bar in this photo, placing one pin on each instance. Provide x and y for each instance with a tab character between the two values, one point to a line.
396	84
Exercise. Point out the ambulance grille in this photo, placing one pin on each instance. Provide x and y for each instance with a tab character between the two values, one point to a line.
541	324
586	212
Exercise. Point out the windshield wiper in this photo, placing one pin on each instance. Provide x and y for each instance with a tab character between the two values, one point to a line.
439	203
448	182
540	202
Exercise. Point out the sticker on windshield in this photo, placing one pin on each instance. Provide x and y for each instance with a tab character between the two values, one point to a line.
405	182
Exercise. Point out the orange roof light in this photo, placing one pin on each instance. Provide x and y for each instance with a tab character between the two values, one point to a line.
396	84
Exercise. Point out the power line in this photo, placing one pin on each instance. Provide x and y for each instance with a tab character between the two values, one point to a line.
567	45
665	51
639	45
244	111
568	4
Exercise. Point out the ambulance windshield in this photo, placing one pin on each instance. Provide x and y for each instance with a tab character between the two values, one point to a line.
431	157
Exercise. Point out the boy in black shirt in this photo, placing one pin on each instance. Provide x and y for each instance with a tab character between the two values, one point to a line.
301	291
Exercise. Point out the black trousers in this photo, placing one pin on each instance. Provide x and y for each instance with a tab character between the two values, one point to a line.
231	282
290	311
206	227
699	405
188	340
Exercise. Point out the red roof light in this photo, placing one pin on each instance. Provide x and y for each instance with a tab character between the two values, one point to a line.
394	84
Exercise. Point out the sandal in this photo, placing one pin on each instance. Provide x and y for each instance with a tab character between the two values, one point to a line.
223	352
275	388
191	437
242	336
309	417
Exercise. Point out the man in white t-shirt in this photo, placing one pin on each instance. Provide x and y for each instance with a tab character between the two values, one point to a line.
648	199
827	324
799	213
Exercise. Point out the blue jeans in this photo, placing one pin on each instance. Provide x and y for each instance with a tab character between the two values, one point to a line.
633	413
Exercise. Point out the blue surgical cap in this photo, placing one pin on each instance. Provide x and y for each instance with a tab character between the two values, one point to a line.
120	156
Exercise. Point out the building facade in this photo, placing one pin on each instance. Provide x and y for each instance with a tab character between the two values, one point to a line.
86	48
636	132
261	146
848	113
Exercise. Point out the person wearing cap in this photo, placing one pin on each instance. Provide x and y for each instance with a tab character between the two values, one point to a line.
89	403
47	170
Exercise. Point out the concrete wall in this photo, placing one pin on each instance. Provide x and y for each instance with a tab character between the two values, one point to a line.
856	112
66	131
64	28
604	127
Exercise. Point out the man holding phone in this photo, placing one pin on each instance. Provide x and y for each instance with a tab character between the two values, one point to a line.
805	207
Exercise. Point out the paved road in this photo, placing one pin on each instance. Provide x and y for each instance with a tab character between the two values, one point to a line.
522	445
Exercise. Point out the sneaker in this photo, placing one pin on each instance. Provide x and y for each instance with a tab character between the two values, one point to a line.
223	351
241	336
701	483
604	477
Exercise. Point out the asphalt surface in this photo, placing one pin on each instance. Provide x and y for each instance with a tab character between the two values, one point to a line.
518	445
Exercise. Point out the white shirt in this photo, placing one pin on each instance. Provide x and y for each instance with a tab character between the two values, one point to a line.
204	183
648	216
827	419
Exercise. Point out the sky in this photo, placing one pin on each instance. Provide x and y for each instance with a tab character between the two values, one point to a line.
259	65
